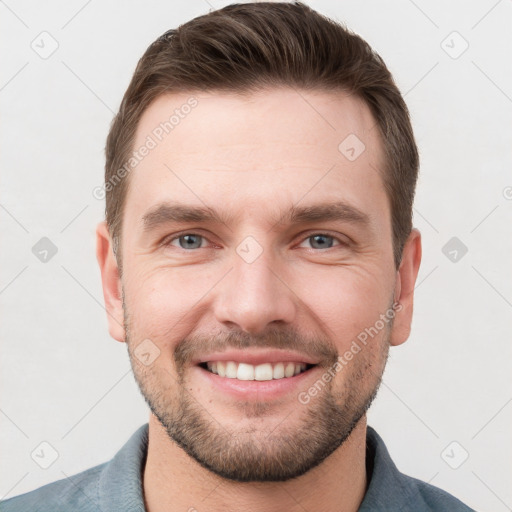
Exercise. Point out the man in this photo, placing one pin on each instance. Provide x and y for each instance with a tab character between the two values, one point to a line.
258	258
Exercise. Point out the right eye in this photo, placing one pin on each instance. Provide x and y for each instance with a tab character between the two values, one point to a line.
186	241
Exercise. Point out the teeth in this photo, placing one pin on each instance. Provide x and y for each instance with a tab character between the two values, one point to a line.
278	371
231	370
289	370
245	372
265	371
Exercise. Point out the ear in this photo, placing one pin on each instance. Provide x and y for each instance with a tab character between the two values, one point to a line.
112	290
404	288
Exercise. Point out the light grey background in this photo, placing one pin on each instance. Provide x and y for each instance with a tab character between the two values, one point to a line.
66	382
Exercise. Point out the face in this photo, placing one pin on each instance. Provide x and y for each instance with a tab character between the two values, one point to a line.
258	290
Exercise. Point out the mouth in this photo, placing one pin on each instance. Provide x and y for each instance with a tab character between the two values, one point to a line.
255	375
260	372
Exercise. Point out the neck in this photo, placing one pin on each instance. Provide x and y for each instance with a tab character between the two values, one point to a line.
173	481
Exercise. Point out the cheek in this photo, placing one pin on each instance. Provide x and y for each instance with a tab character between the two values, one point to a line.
161	305
346	301
165	304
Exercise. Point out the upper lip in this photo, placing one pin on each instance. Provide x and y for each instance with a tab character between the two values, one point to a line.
255	357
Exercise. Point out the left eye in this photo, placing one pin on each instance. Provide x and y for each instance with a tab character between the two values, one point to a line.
190	241
321	241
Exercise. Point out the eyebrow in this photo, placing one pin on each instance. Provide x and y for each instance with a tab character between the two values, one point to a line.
165	213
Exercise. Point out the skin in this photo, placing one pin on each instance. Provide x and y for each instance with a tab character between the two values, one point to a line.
252	158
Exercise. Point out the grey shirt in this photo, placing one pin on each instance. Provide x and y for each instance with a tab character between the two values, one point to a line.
117	486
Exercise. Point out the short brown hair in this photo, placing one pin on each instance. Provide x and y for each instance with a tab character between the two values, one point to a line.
245	47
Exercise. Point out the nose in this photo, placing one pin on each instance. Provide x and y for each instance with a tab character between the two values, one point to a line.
254	295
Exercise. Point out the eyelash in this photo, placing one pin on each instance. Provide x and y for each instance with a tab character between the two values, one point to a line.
167	241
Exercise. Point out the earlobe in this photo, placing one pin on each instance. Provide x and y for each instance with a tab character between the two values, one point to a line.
111	282
404	288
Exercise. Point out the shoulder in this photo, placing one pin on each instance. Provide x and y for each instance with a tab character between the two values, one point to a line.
426	497
389	489
78	493
108	487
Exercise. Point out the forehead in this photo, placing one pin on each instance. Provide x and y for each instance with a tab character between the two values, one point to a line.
257	151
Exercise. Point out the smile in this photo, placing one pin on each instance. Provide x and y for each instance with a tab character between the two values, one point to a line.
260	372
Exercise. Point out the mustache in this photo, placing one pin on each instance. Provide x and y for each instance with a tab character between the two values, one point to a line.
313	346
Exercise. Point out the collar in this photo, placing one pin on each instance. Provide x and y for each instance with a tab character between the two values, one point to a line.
120	482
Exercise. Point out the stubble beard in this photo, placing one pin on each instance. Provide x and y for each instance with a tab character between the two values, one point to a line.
290	447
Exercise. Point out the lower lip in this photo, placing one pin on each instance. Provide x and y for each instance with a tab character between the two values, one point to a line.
256	390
